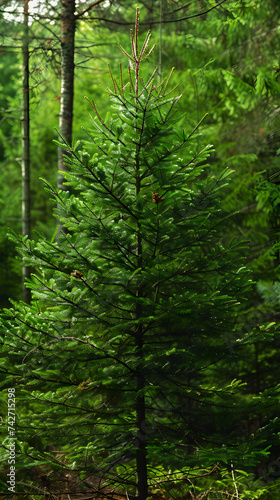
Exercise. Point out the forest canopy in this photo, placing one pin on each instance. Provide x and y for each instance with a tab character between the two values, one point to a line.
142	360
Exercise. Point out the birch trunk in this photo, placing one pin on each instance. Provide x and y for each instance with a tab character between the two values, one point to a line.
68	25
25	134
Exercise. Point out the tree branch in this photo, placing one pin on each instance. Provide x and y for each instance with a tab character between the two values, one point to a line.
151	23
80	14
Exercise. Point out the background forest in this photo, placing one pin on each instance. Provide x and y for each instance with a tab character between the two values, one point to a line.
226	64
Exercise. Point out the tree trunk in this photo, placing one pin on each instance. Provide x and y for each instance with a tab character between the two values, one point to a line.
141	452
25	133
68	24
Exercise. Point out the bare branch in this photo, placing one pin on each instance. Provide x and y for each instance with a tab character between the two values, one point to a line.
151	22
80	14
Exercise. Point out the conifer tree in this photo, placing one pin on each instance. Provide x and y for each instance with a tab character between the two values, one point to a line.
133	306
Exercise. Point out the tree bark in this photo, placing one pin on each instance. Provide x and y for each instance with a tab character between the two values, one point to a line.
141	452
25	134
68	25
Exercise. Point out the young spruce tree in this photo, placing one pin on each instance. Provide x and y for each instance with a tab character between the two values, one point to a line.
132	307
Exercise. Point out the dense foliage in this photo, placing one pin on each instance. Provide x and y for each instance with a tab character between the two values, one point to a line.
134	309
227	65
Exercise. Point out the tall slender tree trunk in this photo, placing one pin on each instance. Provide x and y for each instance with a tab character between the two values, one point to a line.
68	25
25	133
160	42
141	452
